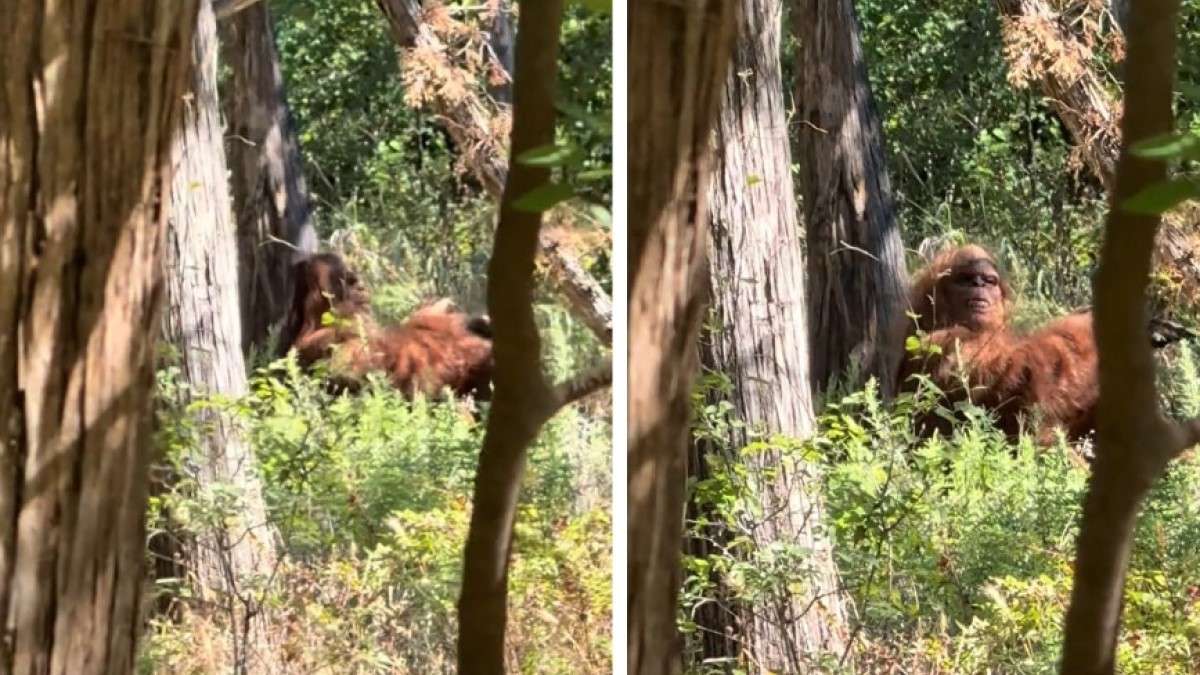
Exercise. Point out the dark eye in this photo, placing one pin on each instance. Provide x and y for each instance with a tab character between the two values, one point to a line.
991	280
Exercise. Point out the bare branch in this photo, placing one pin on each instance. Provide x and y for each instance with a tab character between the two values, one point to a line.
582	385
585	297
227	8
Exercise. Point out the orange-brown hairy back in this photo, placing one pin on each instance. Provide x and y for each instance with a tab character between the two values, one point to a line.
434	349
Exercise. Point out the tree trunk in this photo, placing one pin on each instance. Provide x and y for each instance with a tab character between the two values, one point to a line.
502	38
678	63
1134	441
1089	113
761	343
88	103
524	399
470	120
274	214
856	267
202	322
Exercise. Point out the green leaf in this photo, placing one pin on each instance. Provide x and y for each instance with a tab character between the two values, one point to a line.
753	179
1189	90
1174	145
1163	196
550	155
576	112
595	174
600	6
543	197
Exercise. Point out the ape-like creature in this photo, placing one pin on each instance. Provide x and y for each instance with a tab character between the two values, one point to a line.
963	305
437	347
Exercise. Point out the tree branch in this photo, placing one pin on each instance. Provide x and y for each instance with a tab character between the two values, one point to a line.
585	297
227	8
581	385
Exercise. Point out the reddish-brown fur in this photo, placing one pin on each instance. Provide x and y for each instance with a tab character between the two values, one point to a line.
437	347
963	305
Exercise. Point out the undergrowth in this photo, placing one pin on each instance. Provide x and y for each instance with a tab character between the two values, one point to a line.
957	551
370	496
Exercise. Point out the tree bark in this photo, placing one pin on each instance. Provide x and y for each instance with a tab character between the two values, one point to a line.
501	38
1134	441
678	62
89	97
760	341
523	398
275	227
1079	98
202	322
857	276
468	118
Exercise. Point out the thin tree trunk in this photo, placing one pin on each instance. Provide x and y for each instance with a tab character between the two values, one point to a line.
274	213
1089	112
203	323
502	39
857	277
679	58
1135	442
89	95
469	119
523	398
760	341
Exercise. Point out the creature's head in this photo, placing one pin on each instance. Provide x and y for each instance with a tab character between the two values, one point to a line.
962	286
327	284
323	284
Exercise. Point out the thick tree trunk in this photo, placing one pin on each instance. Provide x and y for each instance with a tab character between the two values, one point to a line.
89	95
857	277
523	398
679	58
203	323
761	342
1134	441
469	119
274	214
1038	42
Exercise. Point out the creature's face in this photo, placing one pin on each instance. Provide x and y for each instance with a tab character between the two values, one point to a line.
973	295
340	287
354	292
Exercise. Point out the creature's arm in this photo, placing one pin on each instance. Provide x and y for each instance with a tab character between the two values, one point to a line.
315	345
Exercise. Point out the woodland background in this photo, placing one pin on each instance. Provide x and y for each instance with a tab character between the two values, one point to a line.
822	534
176	497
